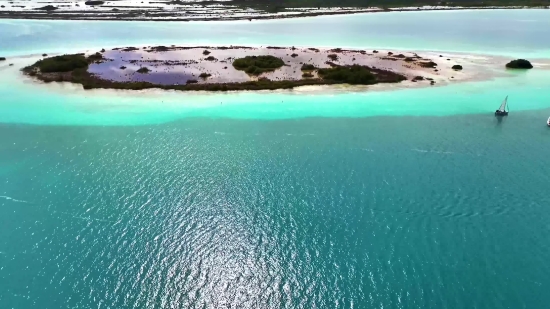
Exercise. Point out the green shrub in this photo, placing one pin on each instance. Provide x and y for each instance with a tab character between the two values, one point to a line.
95	57
256	65
427	64
205	75
64	63
333	57
355	74
47	8
143	70
307	75
308	67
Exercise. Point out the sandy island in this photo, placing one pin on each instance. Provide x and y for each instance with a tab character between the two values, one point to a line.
214	68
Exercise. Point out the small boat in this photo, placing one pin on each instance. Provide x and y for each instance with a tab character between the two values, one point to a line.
548	122
501	111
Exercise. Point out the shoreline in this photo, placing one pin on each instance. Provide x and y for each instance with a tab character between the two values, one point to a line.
145	15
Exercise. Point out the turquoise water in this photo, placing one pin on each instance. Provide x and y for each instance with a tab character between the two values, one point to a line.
29	103
377	212
24	102
507	32
415	198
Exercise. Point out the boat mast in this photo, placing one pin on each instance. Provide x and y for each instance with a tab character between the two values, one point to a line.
502	107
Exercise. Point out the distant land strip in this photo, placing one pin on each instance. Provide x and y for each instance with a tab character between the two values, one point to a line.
236	9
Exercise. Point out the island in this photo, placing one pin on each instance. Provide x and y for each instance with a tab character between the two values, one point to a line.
226	68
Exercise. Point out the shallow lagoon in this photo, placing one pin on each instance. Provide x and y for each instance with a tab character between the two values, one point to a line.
445	31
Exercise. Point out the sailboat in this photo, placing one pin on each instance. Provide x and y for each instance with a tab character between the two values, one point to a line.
501	111
548	122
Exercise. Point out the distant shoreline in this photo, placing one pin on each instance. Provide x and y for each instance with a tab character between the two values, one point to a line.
147	15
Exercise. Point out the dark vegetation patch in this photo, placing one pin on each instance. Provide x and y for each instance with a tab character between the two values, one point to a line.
294	55
2	58
47	8
307	75
123	68
457	67
417	78
206	52
519	64
127	49
427	64
211	58
205	75
160	48
333	57
94	2
97	57
143	70
355	75
64	63
358	75
308	67
256	65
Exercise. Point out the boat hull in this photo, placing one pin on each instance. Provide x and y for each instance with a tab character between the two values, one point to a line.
501	113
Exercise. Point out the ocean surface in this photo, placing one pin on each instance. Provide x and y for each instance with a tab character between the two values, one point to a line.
413	198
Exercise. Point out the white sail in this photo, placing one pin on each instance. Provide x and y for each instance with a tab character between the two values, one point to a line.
502	107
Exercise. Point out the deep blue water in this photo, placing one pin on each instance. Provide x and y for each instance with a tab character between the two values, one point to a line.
380	212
